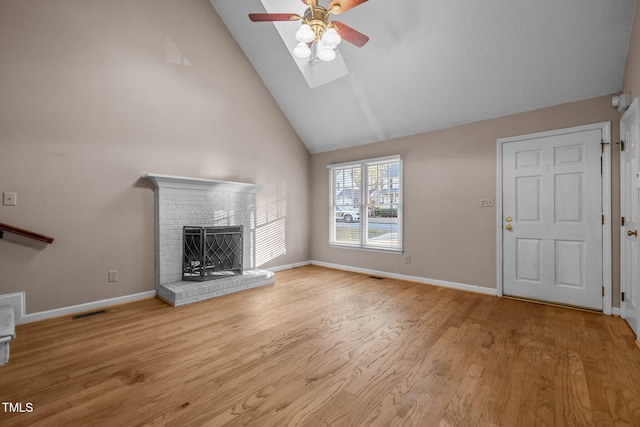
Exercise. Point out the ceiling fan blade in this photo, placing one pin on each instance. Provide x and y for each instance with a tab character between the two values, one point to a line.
267	17
340	6
349	34
310	2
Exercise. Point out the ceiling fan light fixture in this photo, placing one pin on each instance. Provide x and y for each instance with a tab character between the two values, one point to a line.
331	37
305	34
317	32
302	50
325	52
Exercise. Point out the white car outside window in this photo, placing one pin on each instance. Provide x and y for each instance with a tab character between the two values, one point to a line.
347	214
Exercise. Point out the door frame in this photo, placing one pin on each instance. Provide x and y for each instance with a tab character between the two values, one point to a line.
605	128
633	109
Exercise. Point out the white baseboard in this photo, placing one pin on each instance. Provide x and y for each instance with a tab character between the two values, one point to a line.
443	283
615	311
288	266
17	300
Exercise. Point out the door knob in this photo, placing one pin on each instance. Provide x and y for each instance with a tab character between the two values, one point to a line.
508	219
632	233
508	227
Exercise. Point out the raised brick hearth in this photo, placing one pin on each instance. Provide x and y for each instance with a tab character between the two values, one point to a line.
182	201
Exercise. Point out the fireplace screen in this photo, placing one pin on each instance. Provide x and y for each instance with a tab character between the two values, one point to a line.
211	252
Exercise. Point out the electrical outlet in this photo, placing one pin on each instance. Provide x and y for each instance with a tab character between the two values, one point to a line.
113	276
9	198
486	202
407	259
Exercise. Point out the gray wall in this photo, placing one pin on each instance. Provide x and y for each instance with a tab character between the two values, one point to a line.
97	93
448	236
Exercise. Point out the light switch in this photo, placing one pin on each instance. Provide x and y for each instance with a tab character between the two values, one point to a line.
9	198
486	202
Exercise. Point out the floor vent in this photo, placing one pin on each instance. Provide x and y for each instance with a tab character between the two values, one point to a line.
375	277
93	313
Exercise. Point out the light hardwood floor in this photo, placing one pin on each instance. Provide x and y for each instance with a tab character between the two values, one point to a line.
323	347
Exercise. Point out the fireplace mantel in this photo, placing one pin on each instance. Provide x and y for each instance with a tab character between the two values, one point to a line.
183	182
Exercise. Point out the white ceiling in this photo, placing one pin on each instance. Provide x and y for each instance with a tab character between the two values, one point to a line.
432	64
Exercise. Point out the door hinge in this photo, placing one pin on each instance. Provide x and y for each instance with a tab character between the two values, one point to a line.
622	221
622	297
602	219
621	145
603	291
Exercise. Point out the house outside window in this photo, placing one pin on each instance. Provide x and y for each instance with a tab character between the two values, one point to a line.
366	204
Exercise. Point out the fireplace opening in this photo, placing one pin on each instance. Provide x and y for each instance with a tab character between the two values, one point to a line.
211	252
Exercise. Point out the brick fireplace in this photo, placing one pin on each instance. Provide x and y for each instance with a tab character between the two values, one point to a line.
193	202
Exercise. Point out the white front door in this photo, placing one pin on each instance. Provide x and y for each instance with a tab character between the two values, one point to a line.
552	238
629	283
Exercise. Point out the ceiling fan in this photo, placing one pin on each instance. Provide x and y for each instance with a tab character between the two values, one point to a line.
317	30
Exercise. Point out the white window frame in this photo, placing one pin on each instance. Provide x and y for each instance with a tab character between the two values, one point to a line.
363	208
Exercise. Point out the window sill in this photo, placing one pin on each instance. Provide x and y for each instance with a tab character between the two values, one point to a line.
334	245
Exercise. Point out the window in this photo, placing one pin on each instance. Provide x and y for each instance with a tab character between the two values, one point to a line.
366	204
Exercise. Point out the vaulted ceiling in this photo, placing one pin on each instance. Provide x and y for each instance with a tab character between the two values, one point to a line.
434	64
